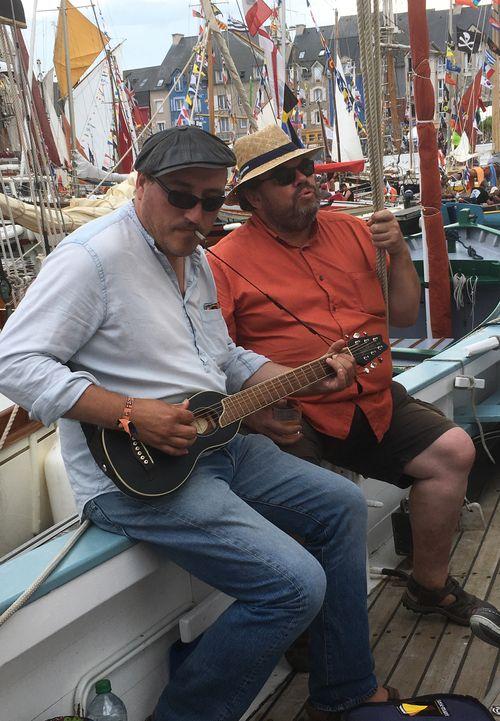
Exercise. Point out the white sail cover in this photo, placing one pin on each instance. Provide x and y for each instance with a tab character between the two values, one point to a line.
350	144
94	117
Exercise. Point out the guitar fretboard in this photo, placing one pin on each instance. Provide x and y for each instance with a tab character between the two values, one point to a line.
268	392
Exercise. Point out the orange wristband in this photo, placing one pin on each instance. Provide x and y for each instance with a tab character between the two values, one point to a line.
125	422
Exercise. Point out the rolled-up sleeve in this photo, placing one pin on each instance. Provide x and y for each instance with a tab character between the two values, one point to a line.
240	364
60	312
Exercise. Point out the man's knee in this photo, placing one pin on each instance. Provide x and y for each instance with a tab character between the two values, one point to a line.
456	451
309	580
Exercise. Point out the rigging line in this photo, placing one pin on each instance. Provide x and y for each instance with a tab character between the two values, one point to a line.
147	125
308	327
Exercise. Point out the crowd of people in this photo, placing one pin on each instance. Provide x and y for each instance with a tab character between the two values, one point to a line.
129	317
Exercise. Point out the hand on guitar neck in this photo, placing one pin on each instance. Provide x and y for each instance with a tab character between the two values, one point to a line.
167	439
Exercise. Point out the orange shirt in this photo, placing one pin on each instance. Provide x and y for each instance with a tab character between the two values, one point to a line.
332	285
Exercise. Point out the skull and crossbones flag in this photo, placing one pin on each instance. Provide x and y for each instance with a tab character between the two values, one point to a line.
468	41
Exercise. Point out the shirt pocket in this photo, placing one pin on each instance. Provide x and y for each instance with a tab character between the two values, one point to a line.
215	333
367	291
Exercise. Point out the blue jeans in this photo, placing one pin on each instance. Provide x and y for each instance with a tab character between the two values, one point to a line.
228	525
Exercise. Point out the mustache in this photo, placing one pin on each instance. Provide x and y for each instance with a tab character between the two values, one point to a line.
307	186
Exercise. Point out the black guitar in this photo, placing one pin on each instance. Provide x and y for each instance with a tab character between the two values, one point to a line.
142	471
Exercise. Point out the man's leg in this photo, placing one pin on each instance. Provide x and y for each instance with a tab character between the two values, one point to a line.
209	527
441	473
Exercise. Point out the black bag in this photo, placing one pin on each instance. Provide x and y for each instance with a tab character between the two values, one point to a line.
424	708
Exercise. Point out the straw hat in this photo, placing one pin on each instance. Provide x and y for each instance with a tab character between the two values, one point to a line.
262	151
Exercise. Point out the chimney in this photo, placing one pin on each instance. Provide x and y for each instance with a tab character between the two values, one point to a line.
176	38
299	30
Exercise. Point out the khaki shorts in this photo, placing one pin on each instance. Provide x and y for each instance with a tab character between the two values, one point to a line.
414	426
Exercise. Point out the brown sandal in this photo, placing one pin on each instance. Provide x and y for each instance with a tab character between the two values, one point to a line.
419	599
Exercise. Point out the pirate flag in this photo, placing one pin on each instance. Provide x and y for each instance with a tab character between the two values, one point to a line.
468	41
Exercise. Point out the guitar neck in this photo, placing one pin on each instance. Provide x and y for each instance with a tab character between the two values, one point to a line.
268	392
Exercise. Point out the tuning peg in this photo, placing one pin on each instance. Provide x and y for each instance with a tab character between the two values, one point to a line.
356	335
373	365
380	360
366	370
365	333
347	336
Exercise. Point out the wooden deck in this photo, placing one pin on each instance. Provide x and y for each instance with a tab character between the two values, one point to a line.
419	654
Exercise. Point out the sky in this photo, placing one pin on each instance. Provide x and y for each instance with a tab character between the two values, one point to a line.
146	27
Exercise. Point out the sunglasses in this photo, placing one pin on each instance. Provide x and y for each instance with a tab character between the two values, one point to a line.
285	175
184	200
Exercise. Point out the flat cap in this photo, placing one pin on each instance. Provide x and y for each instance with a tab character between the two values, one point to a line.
182	147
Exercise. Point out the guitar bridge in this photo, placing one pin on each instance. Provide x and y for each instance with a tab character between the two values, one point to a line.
141	453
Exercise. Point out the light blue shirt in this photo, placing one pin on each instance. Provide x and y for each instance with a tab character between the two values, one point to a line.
106	309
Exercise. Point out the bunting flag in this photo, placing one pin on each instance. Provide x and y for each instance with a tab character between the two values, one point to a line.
274	67
451	67
256	13
468	3
494	22
468	41
200	62
493	47
449	79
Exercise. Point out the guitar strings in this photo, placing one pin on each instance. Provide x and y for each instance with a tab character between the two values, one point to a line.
218	407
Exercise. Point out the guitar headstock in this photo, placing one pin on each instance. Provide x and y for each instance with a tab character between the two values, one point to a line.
366	348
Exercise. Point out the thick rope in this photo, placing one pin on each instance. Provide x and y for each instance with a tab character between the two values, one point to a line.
369	42
26	595
8	426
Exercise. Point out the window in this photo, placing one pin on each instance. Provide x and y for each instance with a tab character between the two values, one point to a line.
317	73
159	106
176	103
321	52
160	82
243	124
256	71
224	125
143	82
218	76
221	102
316	118
160	126
302	54
317	94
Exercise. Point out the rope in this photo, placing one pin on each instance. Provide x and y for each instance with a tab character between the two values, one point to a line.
369	42
26	595
8	426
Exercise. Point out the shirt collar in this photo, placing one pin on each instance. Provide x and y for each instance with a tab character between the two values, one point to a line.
265	230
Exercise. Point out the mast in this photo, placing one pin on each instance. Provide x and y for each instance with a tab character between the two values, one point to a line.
113	86
391	74
334	87
495	120
210	88
214	28
71	107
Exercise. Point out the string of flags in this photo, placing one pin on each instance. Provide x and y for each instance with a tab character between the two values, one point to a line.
197	73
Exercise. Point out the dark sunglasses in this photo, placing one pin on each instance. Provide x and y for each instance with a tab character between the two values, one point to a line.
184	200
285	175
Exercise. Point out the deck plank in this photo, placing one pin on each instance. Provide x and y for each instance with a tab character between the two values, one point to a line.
420	654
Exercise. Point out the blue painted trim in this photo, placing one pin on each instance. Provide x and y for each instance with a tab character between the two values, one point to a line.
92	549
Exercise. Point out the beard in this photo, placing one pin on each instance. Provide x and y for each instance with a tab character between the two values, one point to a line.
300	216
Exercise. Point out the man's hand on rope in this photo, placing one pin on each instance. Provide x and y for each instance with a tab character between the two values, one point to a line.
386	233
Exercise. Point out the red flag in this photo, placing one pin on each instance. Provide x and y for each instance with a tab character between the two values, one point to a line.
468	3
449	79
124	143
256	14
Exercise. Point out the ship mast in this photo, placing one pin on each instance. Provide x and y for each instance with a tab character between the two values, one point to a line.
235	76
71	107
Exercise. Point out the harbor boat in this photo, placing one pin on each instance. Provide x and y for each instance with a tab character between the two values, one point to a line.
118	609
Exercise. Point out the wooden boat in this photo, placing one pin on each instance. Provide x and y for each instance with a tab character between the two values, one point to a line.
116	609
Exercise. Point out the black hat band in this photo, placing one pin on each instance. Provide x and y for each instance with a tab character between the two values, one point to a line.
266	157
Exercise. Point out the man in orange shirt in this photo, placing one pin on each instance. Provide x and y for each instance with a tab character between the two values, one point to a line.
320	267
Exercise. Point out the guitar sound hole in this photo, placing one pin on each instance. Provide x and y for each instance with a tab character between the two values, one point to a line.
206	423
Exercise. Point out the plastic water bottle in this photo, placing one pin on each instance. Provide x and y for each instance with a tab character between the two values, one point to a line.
105	706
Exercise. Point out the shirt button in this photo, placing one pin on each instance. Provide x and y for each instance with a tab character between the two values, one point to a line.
320	277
